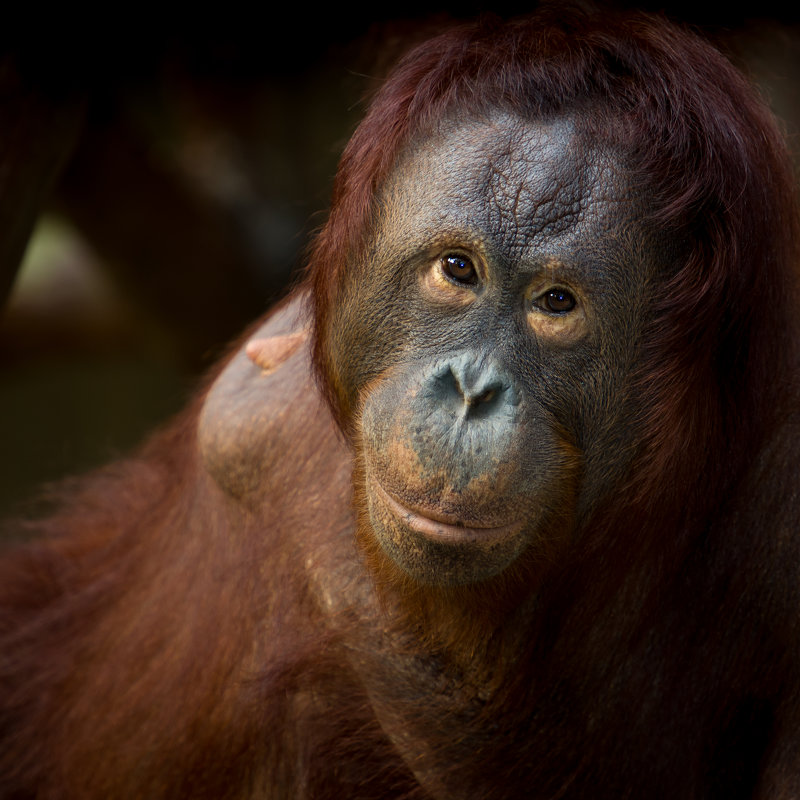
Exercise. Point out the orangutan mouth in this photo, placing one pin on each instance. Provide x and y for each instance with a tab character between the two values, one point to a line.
445	528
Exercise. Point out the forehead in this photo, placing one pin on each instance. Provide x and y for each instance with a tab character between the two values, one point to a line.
519	183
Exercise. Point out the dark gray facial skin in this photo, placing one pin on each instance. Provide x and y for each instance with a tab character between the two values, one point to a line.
487	343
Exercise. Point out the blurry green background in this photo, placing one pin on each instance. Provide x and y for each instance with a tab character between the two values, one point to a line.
171	178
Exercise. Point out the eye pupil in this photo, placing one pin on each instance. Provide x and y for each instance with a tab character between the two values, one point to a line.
459	269
558	301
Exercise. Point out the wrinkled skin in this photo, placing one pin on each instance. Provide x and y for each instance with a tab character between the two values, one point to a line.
498	310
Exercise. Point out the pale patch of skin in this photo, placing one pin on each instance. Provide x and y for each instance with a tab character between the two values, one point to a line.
272	352
243	420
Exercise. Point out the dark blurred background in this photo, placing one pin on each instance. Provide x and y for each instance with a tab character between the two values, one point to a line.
160	176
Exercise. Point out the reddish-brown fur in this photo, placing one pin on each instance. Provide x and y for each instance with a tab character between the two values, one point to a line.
192	624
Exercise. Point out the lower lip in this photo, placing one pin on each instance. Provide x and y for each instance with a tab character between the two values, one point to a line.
445	532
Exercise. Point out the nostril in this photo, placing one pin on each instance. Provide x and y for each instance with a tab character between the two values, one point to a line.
473	393
473	387
478	399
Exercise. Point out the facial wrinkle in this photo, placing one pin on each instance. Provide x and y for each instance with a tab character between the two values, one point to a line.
537	184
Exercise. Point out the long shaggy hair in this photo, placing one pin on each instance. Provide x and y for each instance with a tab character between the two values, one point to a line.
698	136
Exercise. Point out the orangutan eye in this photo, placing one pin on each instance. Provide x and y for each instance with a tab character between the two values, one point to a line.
459	270
557	301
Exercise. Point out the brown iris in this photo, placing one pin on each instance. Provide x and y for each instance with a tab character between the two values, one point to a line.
459	269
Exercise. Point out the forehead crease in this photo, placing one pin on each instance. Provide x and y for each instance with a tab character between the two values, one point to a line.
535	186
518	180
